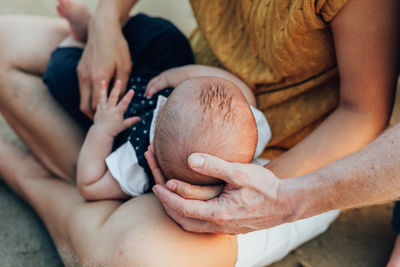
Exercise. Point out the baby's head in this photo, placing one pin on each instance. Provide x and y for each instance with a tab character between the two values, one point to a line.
203	115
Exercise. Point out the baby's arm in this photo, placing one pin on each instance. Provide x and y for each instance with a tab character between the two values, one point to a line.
174	76
94	180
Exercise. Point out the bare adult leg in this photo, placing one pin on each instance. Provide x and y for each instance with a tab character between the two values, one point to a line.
109	233
26	44
134	233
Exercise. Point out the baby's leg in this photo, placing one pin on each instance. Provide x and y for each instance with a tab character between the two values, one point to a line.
78	15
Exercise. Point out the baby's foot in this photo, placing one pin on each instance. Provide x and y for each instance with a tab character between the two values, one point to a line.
78	16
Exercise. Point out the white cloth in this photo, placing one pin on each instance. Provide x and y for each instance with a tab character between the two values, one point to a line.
123	163
263	131
263	247
124	167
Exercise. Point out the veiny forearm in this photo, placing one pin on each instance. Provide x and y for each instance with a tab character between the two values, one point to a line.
367	177
91	162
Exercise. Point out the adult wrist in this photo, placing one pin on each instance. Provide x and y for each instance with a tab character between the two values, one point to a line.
306	196
104	20
290	203
109	13
303	196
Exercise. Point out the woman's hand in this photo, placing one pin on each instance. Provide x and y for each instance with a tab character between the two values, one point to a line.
106	56
252	199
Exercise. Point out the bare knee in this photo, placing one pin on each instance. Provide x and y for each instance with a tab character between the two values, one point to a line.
28	40
6	30
7	50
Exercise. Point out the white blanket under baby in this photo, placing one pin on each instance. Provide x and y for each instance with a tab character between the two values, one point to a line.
259	248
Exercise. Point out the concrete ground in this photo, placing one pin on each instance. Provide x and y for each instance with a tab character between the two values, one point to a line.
360	237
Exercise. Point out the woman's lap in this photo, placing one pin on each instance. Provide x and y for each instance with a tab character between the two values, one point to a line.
137	232
26	43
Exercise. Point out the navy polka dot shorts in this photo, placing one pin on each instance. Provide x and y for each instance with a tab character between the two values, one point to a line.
155	45
138	134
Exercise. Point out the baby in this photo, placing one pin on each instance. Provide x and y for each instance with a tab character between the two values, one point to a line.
209	110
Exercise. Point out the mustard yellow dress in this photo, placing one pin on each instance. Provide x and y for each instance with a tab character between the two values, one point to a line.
283	49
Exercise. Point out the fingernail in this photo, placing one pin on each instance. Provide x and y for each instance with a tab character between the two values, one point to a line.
172	185
155	189
147	95
196	161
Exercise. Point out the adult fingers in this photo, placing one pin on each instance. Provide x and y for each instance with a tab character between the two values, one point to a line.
96	77
122	74
190	224
189	191
204	210
155	169
85	105
85	83
212	166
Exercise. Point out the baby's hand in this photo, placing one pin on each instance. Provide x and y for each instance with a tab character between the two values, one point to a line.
109	115
156	84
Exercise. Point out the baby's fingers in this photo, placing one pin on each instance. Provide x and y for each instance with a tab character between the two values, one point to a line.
103	93
124	103
114	95
156	84
131	121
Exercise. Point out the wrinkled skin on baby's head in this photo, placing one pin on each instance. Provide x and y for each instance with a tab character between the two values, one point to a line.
203	115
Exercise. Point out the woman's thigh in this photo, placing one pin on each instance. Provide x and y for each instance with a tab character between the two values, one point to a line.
26	43
109	233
